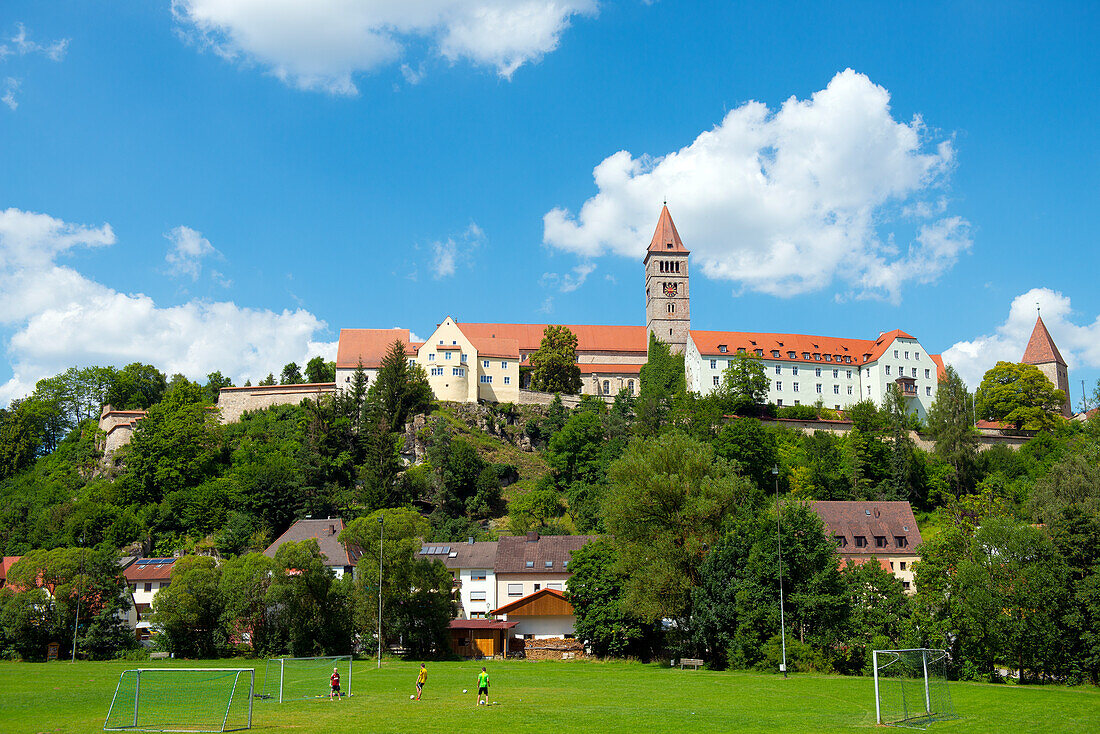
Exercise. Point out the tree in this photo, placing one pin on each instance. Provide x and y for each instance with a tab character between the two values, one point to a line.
244	585
267	381
745	384
137	387
189	612
996	597
736	614
311	609
535	509
1021	395
750	446
604	620
662	380
901	481
950	423
879	611
416	591
400	390
215	381
318	370
668	499
291	375
554	364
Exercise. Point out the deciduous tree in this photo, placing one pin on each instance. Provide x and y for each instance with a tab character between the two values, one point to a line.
554	364
1021	395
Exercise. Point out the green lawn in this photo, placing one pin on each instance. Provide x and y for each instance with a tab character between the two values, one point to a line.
557	697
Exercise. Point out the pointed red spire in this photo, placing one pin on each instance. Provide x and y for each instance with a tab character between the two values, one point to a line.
665	237
1041	348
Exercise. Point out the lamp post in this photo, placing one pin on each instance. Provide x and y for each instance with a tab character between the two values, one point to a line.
381	530
779	538
76	622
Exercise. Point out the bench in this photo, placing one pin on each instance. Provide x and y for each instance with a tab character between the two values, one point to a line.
158	655
693	662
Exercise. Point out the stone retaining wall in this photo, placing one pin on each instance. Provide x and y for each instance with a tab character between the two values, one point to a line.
233	402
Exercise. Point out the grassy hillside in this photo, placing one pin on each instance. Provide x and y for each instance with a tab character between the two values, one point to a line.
554	696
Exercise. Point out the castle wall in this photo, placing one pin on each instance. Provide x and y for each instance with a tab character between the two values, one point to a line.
233	402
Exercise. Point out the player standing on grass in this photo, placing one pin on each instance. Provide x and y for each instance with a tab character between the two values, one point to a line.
334	685
482	687
421	679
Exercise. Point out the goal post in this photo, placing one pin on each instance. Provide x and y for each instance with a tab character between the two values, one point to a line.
182	700
287	679
911	687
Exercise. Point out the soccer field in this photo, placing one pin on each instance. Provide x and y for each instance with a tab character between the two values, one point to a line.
557	697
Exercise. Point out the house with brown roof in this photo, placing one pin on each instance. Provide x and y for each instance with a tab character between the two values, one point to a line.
341	558
473	578
5	568
145	578
528	564
885	531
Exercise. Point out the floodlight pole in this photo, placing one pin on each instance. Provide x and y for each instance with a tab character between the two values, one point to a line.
779	538
381	530
76	622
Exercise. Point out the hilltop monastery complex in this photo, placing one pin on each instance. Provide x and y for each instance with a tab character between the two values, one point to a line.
469	362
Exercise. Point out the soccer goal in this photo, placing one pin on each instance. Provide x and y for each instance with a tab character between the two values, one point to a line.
911	687
286	679
182	699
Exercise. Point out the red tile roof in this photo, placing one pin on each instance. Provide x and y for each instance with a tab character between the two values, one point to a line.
665	237
868	519
150	569
368	345
327	532
589	338
5	567
515	551
1041	348
502	348
708	343
938	359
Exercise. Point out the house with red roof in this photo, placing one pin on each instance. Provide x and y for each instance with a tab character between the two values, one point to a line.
145	578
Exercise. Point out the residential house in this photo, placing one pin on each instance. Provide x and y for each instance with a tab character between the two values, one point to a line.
339	557
471	567
886	531
146	577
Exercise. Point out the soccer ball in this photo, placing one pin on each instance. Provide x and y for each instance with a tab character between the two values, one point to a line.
464	690
411	696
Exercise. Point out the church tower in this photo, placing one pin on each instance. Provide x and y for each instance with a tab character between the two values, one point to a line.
667	309
1043	353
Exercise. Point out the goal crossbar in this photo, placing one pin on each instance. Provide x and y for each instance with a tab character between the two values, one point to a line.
182	700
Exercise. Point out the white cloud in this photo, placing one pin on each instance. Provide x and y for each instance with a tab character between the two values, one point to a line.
188	249
448	254
324	43
1078	344
786	202
22	46
11	86
568	282
61	318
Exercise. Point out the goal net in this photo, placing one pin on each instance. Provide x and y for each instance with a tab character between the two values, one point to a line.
286	679
911	687
182	699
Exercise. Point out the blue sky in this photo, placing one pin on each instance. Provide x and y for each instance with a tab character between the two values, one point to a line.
224	184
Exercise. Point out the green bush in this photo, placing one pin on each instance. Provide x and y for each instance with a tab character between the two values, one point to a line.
801	658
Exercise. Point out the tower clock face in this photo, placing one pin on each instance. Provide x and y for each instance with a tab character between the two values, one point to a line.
670	289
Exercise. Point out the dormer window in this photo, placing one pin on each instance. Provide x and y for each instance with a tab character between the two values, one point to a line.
775	354
791	355
861	541
723	348
841	541
901	541
880	541
806	356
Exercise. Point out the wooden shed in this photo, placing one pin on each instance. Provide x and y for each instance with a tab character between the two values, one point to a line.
480	638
